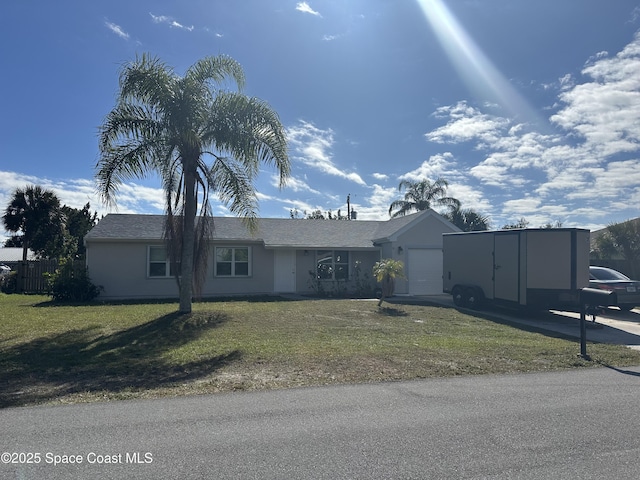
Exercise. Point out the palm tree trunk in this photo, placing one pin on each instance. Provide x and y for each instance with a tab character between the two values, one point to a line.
188	239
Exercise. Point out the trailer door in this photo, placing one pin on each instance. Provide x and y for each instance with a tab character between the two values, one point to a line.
506	267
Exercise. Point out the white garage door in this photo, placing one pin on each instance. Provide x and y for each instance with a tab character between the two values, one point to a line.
424	271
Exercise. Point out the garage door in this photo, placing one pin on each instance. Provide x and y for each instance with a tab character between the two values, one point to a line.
424	271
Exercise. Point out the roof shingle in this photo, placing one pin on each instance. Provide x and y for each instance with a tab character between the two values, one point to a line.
273	232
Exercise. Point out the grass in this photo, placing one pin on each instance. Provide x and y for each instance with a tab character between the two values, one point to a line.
63	353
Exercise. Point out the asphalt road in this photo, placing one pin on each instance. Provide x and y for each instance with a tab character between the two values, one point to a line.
563	425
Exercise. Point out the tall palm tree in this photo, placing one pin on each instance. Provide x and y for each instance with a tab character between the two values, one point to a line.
36	214
421	196
168	124
467	219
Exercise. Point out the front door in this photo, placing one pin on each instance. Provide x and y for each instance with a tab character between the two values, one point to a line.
284	271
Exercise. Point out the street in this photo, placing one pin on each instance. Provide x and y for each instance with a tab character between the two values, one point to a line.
575	424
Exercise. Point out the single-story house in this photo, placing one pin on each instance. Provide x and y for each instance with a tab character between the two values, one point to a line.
127	258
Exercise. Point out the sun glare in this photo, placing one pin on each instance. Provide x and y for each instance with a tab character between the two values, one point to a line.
482	78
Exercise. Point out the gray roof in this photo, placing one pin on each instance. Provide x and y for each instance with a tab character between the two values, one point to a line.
273	232
14	254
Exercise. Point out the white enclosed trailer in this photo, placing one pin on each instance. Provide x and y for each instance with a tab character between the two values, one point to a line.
539	268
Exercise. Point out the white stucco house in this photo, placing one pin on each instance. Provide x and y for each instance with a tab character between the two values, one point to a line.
127	258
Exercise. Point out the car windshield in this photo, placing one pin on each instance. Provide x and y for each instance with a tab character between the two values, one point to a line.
606	274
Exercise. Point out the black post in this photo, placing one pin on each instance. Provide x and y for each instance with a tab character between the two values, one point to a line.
583	331
594	297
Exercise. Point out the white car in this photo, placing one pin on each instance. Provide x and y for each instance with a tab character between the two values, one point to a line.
4	270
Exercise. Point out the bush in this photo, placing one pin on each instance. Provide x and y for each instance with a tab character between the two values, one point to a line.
9	283
70	283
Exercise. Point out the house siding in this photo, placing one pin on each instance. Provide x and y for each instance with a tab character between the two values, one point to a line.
117	253
130	279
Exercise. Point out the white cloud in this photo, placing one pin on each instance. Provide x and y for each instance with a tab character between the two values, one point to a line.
75	193
295	184
312	146
605	112
439	165
376	204
117	30
380	176
591	168
304	7
465	124
169	21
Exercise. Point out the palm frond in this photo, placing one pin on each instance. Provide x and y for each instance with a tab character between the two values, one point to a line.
216	69
230	180
248	130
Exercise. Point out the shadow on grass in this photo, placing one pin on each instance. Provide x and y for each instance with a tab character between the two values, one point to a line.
80	361
164	301
392	312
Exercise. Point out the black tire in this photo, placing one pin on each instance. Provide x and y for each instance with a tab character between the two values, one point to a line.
458	296
625	307
473	298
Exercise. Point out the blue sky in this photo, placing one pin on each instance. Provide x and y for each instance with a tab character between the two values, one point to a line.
528	109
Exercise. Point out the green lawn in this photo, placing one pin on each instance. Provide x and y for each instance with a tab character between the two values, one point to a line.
63	354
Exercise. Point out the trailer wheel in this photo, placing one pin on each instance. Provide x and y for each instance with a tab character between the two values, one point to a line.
473	298
458	297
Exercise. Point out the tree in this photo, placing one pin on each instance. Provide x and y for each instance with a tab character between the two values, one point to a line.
168	124
522	223
386	271
35	213
14	241
421	196
78	224
621	239
467	220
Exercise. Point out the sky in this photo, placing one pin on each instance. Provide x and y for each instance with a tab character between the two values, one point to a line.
527	109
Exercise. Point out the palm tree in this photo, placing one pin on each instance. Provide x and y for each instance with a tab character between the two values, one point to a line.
167	124
467	219
36	214
421	196
386	271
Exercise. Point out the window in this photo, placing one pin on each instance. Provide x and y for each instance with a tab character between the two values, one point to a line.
332	264
159	263
232	262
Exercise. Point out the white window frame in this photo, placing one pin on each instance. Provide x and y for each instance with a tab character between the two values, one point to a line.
167	262
233	261
333	265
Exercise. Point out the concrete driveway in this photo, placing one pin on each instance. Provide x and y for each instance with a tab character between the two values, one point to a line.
613	326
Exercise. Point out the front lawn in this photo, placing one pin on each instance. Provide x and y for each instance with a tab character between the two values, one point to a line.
64	354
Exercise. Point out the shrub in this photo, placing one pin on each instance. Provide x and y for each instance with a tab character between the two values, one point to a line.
70	283
9	283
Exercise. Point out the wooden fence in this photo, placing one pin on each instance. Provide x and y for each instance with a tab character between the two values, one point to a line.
30	275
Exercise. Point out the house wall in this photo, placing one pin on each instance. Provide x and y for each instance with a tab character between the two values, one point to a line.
424	234
121	269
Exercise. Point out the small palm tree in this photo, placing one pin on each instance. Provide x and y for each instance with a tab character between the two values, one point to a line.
168	125
386	271
421	196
